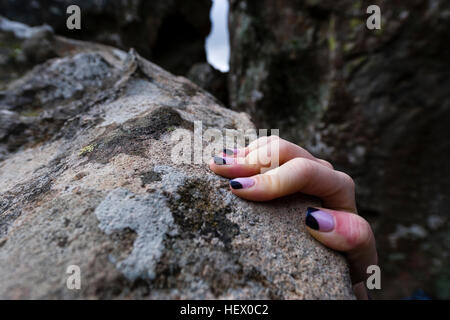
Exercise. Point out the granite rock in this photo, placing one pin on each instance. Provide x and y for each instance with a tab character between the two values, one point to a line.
87	179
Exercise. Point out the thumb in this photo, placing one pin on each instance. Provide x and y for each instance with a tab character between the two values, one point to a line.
345	232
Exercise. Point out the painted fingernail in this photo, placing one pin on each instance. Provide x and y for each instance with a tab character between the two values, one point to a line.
224	160
242	183
229	152
319	220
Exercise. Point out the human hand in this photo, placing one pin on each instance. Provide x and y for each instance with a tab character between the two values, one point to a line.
337	225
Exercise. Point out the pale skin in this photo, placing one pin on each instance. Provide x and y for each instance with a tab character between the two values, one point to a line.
299	171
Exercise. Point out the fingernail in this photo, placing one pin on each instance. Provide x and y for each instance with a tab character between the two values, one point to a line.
242	183
224	160
319	220
229	152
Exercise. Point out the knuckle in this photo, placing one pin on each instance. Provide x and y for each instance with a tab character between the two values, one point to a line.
359	233
326	163
347	181
257	142
272	183
303	167
274	138
262	139
282	146
261	156
252	157
300	147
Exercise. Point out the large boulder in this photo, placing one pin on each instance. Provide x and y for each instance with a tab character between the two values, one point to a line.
88	179
170	32
373	102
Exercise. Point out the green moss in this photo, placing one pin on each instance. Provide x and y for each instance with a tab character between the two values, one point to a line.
31	113
13	45
331	35
332	43
192	256
87	149
197	213
357	4
348	47
443	287
355	23
378	32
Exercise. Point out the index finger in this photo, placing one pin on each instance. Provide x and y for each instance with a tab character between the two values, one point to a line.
335	188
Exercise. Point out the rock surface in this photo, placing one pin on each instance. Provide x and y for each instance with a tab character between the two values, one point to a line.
374	103
171	33
87	179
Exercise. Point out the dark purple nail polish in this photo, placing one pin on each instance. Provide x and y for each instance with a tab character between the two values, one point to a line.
224	160
219	160
319	220
242	183
228	152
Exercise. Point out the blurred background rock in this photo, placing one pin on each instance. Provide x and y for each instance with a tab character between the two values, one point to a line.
171	33
375	103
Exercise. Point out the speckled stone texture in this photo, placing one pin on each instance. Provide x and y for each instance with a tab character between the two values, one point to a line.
87	179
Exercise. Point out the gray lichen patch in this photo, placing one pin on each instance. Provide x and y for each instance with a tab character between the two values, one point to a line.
148	216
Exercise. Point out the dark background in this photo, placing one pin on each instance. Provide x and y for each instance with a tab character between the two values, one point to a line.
375	103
